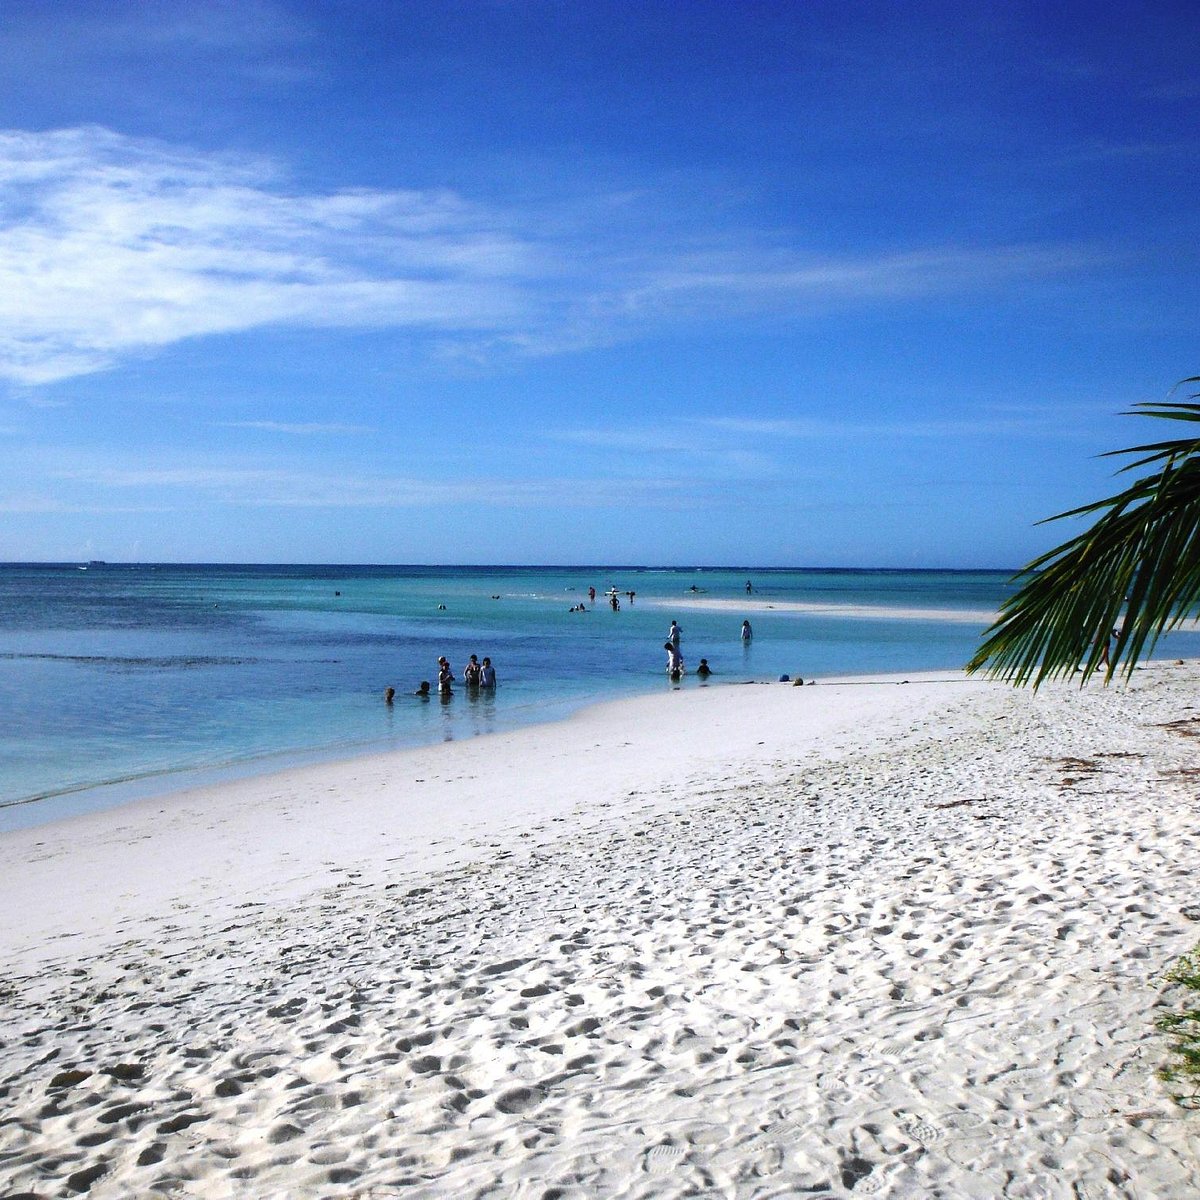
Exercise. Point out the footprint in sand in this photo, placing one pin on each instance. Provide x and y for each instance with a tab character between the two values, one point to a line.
1103	1179
921	1131
1033	1186
861	1176
782	1130
768	1161
327	1156
974	1152
663	1159
518	1100
962	1124
1097	1103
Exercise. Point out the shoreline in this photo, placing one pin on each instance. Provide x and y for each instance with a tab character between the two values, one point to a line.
72	802
96	708
867	937
210	814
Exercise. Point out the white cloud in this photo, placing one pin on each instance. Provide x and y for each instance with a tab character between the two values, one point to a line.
112	246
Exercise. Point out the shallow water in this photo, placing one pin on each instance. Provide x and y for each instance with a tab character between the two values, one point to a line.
135	678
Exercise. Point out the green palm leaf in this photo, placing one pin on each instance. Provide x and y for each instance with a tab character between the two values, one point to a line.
1135	570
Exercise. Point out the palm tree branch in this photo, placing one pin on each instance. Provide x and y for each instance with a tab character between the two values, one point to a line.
1137	569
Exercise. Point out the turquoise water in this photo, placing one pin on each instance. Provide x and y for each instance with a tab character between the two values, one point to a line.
118	680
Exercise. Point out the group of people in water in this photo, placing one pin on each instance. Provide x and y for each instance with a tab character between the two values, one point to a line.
614	599
476	675
675	667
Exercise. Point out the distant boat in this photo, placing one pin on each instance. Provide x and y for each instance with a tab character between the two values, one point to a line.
97	562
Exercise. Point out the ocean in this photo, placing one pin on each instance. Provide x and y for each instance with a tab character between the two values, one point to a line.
119	681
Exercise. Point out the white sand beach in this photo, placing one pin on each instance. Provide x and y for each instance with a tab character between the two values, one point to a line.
897	939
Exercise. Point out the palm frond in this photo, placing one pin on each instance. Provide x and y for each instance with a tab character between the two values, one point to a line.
1136	570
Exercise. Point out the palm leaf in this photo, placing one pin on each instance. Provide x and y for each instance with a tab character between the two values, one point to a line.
1135	570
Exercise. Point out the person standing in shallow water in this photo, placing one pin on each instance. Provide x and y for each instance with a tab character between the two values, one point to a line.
487	674
673	635
674	662
445	677
747	632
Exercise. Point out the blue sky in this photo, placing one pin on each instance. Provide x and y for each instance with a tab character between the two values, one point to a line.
749	283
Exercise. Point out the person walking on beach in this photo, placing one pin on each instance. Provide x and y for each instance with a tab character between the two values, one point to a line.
487	674
445	677
673	635
747	632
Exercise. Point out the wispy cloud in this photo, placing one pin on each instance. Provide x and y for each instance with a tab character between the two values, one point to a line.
254	487
303	429
244	25
783	280
26	503
982	423
748	441
248	42
112	246
687	447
